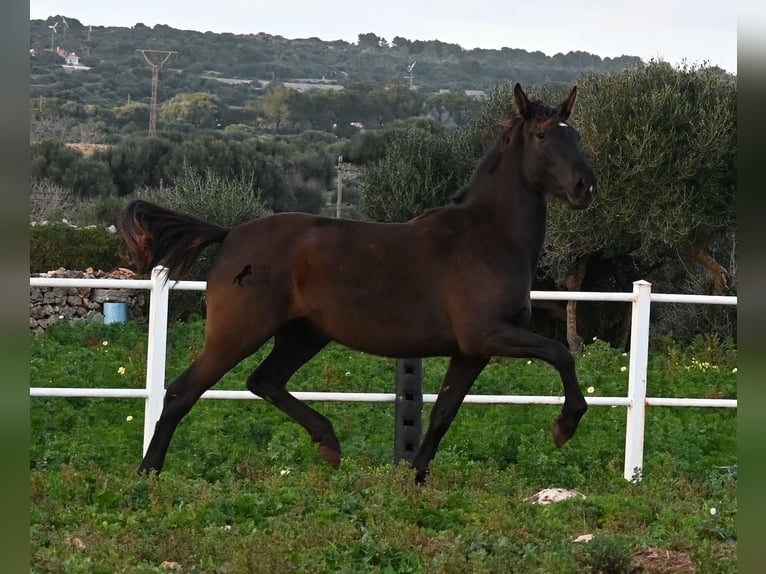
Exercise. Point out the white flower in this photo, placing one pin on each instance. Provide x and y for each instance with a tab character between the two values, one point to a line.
121	370
105	343
734	370
284	472
529	362
129	418
348	373
591	389
623	369
713	511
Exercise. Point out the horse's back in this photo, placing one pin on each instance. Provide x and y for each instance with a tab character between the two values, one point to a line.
376	287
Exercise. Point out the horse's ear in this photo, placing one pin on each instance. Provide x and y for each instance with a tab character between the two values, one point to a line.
523	105
566	107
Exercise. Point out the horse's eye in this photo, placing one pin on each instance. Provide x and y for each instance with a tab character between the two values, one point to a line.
540	135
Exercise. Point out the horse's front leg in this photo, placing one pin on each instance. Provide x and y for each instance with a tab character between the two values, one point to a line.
512	341
461	374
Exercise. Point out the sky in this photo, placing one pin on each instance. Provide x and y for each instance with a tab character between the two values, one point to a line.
675	31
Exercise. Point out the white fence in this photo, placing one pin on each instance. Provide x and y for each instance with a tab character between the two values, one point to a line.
636	402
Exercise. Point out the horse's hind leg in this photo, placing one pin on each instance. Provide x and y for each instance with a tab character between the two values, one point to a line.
294	345
180	397
461	374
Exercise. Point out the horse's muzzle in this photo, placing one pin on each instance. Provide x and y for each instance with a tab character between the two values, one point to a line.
583	194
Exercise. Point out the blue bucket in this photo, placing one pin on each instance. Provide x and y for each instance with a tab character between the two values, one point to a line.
115	312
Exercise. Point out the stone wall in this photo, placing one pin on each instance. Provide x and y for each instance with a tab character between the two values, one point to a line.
48	305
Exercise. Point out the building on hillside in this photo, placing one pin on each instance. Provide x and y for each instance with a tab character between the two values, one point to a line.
71	60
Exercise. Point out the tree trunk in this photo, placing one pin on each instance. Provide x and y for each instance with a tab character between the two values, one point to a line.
624	336
717	273
573	282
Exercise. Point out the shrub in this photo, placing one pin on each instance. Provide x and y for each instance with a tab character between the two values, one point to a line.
208	196
607	554
48	200
60	245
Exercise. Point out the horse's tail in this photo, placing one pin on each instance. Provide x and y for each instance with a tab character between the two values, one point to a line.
155	236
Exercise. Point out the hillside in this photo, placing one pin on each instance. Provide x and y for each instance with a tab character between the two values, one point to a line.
234	67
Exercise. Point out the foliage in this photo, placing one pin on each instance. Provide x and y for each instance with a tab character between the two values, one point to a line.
138	162
275	105
61	245
244	490
421	168
197	110
48	200
607	554
65	124
68	168
209	196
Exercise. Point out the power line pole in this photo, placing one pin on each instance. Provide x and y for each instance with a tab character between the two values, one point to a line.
155	67
340	187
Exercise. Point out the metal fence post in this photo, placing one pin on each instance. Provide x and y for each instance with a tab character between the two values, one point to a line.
639	356
155	353
409	408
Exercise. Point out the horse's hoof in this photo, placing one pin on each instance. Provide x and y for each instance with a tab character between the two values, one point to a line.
559	435
564	428
330	455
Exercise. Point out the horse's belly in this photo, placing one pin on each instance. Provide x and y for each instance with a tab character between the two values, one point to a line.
382	331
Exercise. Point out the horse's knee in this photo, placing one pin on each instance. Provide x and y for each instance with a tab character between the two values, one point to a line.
561	357
176	406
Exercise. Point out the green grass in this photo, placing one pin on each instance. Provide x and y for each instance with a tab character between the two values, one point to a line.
244	490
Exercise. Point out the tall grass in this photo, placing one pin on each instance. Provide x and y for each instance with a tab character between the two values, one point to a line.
244	490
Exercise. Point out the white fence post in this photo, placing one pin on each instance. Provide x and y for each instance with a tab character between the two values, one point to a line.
639	358
155	353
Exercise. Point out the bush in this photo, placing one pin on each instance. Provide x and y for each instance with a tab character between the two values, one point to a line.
49	200
60	245
607	554
421	169
207	195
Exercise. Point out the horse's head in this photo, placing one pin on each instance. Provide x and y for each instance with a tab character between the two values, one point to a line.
553	162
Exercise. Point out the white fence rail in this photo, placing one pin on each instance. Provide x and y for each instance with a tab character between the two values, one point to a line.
636	402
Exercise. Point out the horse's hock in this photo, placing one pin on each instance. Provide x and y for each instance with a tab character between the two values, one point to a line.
47	305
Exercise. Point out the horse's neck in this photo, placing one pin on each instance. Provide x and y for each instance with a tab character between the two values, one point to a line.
514	210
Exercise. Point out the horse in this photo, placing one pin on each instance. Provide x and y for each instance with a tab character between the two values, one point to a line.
454	281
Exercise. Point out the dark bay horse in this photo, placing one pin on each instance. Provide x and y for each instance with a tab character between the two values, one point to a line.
454	282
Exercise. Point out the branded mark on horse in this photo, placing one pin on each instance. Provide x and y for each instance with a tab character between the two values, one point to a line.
454	281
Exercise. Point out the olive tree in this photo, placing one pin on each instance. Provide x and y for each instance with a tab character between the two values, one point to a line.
198	110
